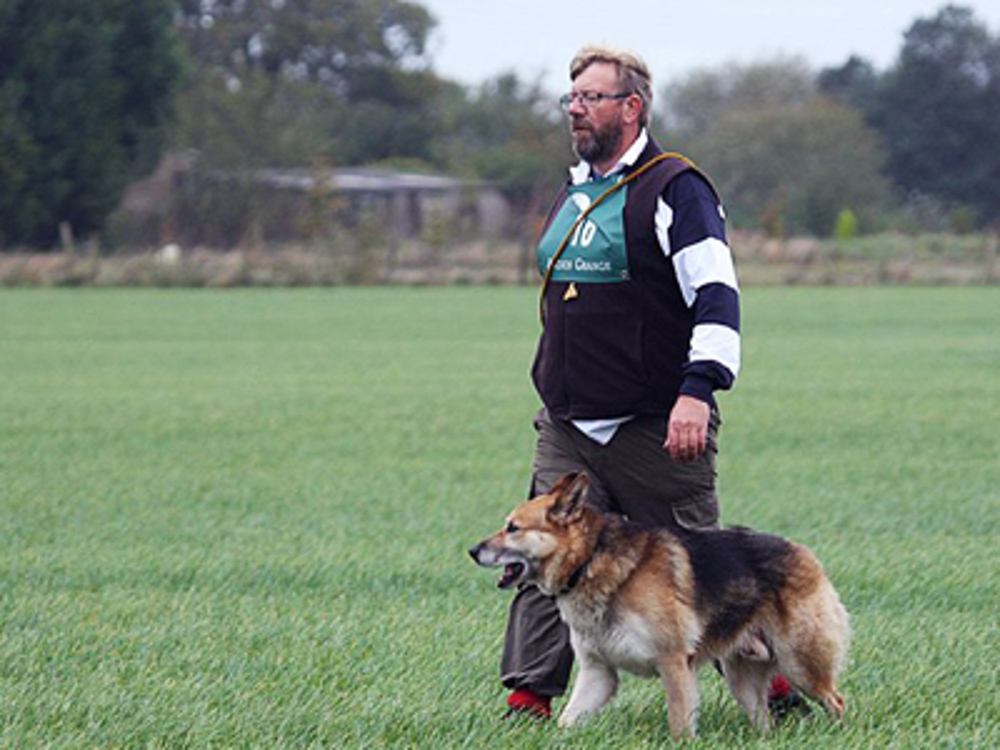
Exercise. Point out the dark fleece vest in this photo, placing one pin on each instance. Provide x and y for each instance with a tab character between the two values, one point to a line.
616	349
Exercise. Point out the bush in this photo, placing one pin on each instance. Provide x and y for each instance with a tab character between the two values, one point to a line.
847	225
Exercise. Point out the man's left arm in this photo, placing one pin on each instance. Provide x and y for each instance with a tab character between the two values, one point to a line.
691	228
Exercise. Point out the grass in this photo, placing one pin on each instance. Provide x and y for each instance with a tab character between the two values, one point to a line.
238	518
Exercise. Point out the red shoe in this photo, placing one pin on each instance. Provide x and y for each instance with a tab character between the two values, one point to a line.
526	702
782	698
780	688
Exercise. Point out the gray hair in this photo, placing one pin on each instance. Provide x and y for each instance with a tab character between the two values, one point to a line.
633	74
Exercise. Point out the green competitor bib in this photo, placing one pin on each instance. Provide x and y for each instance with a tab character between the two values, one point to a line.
596	252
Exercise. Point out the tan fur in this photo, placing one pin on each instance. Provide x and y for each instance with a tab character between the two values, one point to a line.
632	601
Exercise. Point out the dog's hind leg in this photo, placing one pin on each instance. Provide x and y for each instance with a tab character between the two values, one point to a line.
677	670
748	681
595	685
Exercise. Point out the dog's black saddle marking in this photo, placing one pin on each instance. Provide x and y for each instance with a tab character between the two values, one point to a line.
735	571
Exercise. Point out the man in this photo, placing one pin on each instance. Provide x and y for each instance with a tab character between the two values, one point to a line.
640	308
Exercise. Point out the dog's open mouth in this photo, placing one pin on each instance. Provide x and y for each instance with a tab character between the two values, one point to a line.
512	573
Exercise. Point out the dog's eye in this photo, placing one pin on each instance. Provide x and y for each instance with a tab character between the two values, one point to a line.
512	528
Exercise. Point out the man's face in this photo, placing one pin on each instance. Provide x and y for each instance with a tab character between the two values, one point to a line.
597	128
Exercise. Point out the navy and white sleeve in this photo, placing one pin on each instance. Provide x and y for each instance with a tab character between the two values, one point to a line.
691	227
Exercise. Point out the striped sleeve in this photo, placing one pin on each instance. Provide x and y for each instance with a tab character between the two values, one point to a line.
690	225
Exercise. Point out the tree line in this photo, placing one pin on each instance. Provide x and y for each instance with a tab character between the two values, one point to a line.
93	94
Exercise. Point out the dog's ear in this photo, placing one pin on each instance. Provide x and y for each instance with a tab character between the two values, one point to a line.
570	492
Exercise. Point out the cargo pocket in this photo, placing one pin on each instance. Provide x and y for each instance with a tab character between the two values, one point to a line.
702	513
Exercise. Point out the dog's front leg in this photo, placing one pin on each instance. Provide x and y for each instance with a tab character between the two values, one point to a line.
596	683
679	676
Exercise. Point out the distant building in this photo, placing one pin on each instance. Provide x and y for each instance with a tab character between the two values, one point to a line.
183	203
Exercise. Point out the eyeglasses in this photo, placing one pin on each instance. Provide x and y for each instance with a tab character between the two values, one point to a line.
587	98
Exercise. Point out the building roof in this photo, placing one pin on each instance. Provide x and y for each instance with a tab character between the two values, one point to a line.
358	180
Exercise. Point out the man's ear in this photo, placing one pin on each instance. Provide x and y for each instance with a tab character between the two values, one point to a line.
633	109
569	495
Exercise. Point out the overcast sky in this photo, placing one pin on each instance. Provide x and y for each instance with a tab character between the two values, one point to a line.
478	39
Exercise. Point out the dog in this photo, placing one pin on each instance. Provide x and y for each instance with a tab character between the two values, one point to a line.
661	603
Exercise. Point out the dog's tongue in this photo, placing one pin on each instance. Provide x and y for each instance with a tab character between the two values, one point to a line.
511	572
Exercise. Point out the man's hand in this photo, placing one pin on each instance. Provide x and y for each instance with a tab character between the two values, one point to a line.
687	429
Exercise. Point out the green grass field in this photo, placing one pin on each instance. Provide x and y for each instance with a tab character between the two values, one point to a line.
239	518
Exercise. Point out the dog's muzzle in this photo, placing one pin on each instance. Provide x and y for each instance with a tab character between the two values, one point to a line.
515	569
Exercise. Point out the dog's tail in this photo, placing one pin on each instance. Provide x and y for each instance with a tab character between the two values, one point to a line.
817	631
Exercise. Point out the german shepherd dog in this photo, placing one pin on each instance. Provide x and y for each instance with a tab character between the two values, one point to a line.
661	603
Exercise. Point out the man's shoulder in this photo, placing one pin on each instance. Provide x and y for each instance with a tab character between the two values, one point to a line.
680	179
689	185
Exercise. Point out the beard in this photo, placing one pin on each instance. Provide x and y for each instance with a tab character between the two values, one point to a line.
596	145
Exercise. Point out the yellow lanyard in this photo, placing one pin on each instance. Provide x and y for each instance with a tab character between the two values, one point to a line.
547	279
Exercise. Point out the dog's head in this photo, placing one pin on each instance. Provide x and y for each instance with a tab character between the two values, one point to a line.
535	534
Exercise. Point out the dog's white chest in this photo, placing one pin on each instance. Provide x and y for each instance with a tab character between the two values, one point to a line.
628	643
